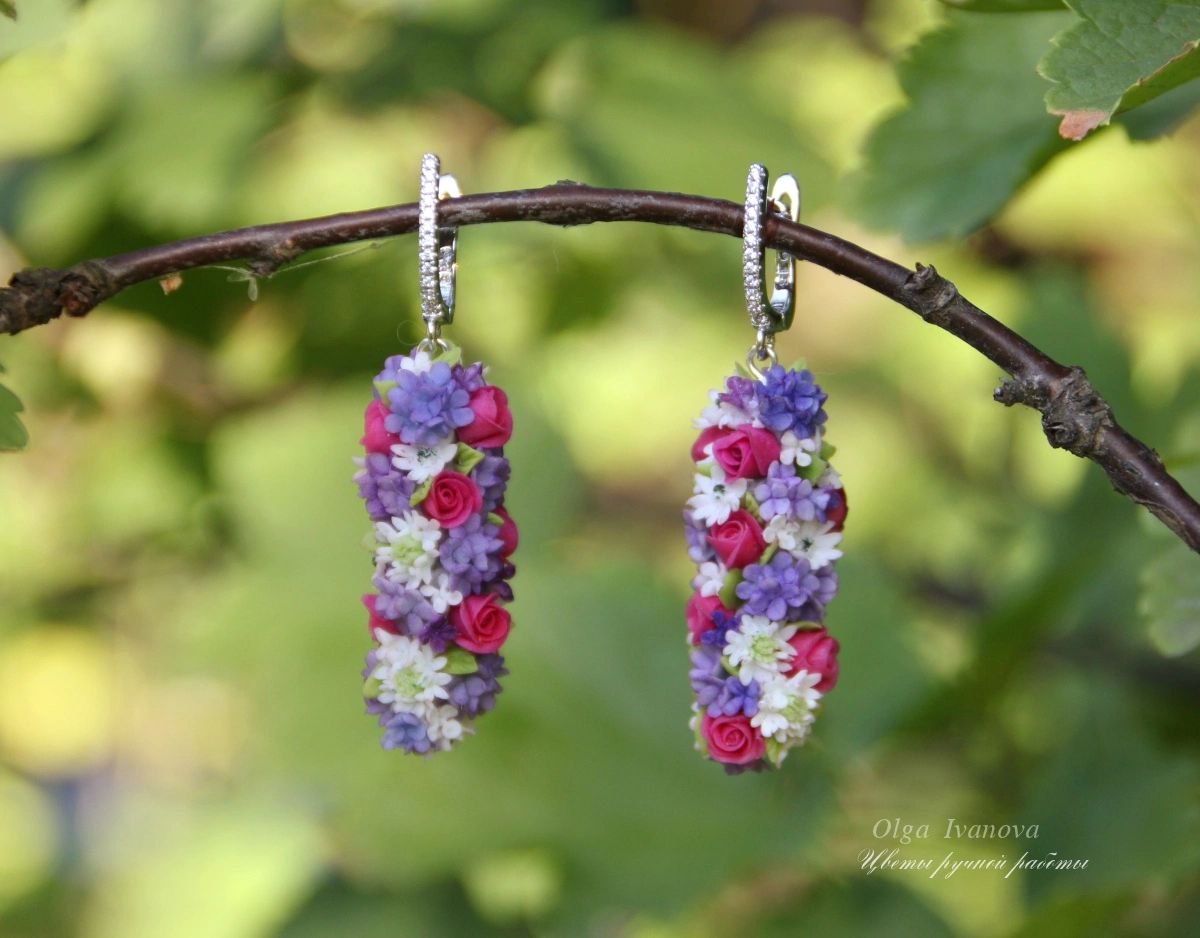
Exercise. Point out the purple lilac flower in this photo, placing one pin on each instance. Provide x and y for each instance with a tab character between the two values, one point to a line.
491	475
822	593
427	408
469	377
734	698
785	493
697	539
374	704
408	608
791	400
391	370
438	634
384	488
721	624
778	590
741	393
707	674
476	693
408	732
471	553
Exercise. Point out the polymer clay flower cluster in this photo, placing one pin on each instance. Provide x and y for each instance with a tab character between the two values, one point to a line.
763	527
433	480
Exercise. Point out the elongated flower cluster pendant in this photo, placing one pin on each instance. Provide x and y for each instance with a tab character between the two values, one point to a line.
433	479
763	527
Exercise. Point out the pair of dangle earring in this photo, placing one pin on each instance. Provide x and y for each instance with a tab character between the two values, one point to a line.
763	527
433	478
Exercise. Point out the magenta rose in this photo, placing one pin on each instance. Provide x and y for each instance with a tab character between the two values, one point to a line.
837	510
452	498
732	739
493	423
746	452
508	533
816	653
376	439
706	436
376	620
699	614
738	541
481	624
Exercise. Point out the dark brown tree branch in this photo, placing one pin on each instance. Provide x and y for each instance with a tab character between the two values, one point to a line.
1074	416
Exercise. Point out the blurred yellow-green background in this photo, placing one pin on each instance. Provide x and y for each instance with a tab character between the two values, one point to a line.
182	747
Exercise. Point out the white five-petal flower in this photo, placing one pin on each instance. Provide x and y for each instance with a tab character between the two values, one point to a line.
797	451
786	706
418	364
410	675
443	726
421	463
440	592
407	548
715	497
815	541
759	648
710	579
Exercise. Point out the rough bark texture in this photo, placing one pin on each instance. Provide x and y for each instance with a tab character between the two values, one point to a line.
1074	415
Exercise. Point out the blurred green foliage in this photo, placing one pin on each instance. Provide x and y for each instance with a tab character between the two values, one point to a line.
182	750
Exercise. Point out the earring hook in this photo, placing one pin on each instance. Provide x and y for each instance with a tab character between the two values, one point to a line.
437	250
776	315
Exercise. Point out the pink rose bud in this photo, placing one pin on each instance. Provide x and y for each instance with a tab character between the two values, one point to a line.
838	509
700	610
508	533
746	452
377	439
738	541
707	436
493	423
376	620
816	653
732	739
481	624
452	498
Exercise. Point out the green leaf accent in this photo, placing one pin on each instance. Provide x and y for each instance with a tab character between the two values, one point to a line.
460	661
827	450
800	364
382	388
495	519
451	356
775	751
13	435
9	9
771	551
468	458
750	503
1119	55
420	492
812	471
974	130
1169	602
728	594
1004	6
371	687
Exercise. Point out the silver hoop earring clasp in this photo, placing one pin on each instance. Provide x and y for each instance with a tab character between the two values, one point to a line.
437	249
774	316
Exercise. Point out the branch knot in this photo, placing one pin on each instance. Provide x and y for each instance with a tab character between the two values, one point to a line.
1074	415
931	293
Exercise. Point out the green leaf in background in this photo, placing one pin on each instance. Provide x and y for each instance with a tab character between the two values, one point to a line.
8	9
13	435
974	129
1117	56
1004	6
1170	600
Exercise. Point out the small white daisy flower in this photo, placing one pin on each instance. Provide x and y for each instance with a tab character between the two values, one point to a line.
407	548
797	451
786	706
418	364
815	541
409	673
759	648
715	497
421	463
710	579
440	592
722	414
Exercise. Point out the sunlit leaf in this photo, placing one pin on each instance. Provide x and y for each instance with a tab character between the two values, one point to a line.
8	8
1119	55
13	435
1004	6
1170	599
973	131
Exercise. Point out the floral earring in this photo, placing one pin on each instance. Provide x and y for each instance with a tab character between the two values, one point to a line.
433	479
763	526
